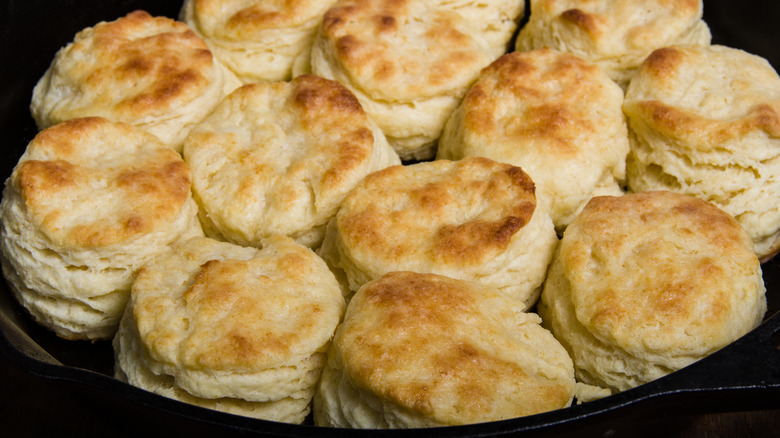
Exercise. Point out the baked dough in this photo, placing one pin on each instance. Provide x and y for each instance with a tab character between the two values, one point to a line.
705	121
556	116
472	219
422	350
409	62
88	203
645	284
617	35
258	40
278	158
151	72
231	328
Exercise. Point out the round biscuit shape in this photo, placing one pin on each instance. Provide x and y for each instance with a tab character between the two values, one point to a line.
645	284
278	158
617	35
151	72
423	350
557	116
473	219
408	62
222	325
705	121
257	40
87	204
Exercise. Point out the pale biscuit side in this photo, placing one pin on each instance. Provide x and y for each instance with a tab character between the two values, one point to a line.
717	141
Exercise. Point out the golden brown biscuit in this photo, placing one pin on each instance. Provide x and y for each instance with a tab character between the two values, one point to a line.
557	116
645	284
151	72
409	63
232	328
88	203
278	158
617	35
473	219
257	40
422	350
705	121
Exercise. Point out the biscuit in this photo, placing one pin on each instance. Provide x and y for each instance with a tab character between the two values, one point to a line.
423	350
645	284
557	116
231	328
257	40
278	158
473	219
409	62
88	203
705	121
151	72
617	35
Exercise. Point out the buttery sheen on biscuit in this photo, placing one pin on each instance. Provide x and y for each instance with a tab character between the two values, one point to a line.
705	121
473	219
278	158
237	329
151	72
422	350
648	283
88	203
557	116
410	62
617	35
257	40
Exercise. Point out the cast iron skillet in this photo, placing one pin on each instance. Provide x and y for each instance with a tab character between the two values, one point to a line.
743	376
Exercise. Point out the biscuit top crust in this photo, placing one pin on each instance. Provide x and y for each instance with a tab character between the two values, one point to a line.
137	66
209	305
289	150
455	213
247	19
403	49
728	94
614	26
659	271
451	350
542	102
93	183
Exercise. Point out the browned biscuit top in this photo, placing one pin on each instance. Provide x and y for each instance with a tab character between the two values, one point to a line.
652	270
90	182
241	19
542	97
136	66
747	100
280	157
638	23
402	49
450	213
451	350
209	305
